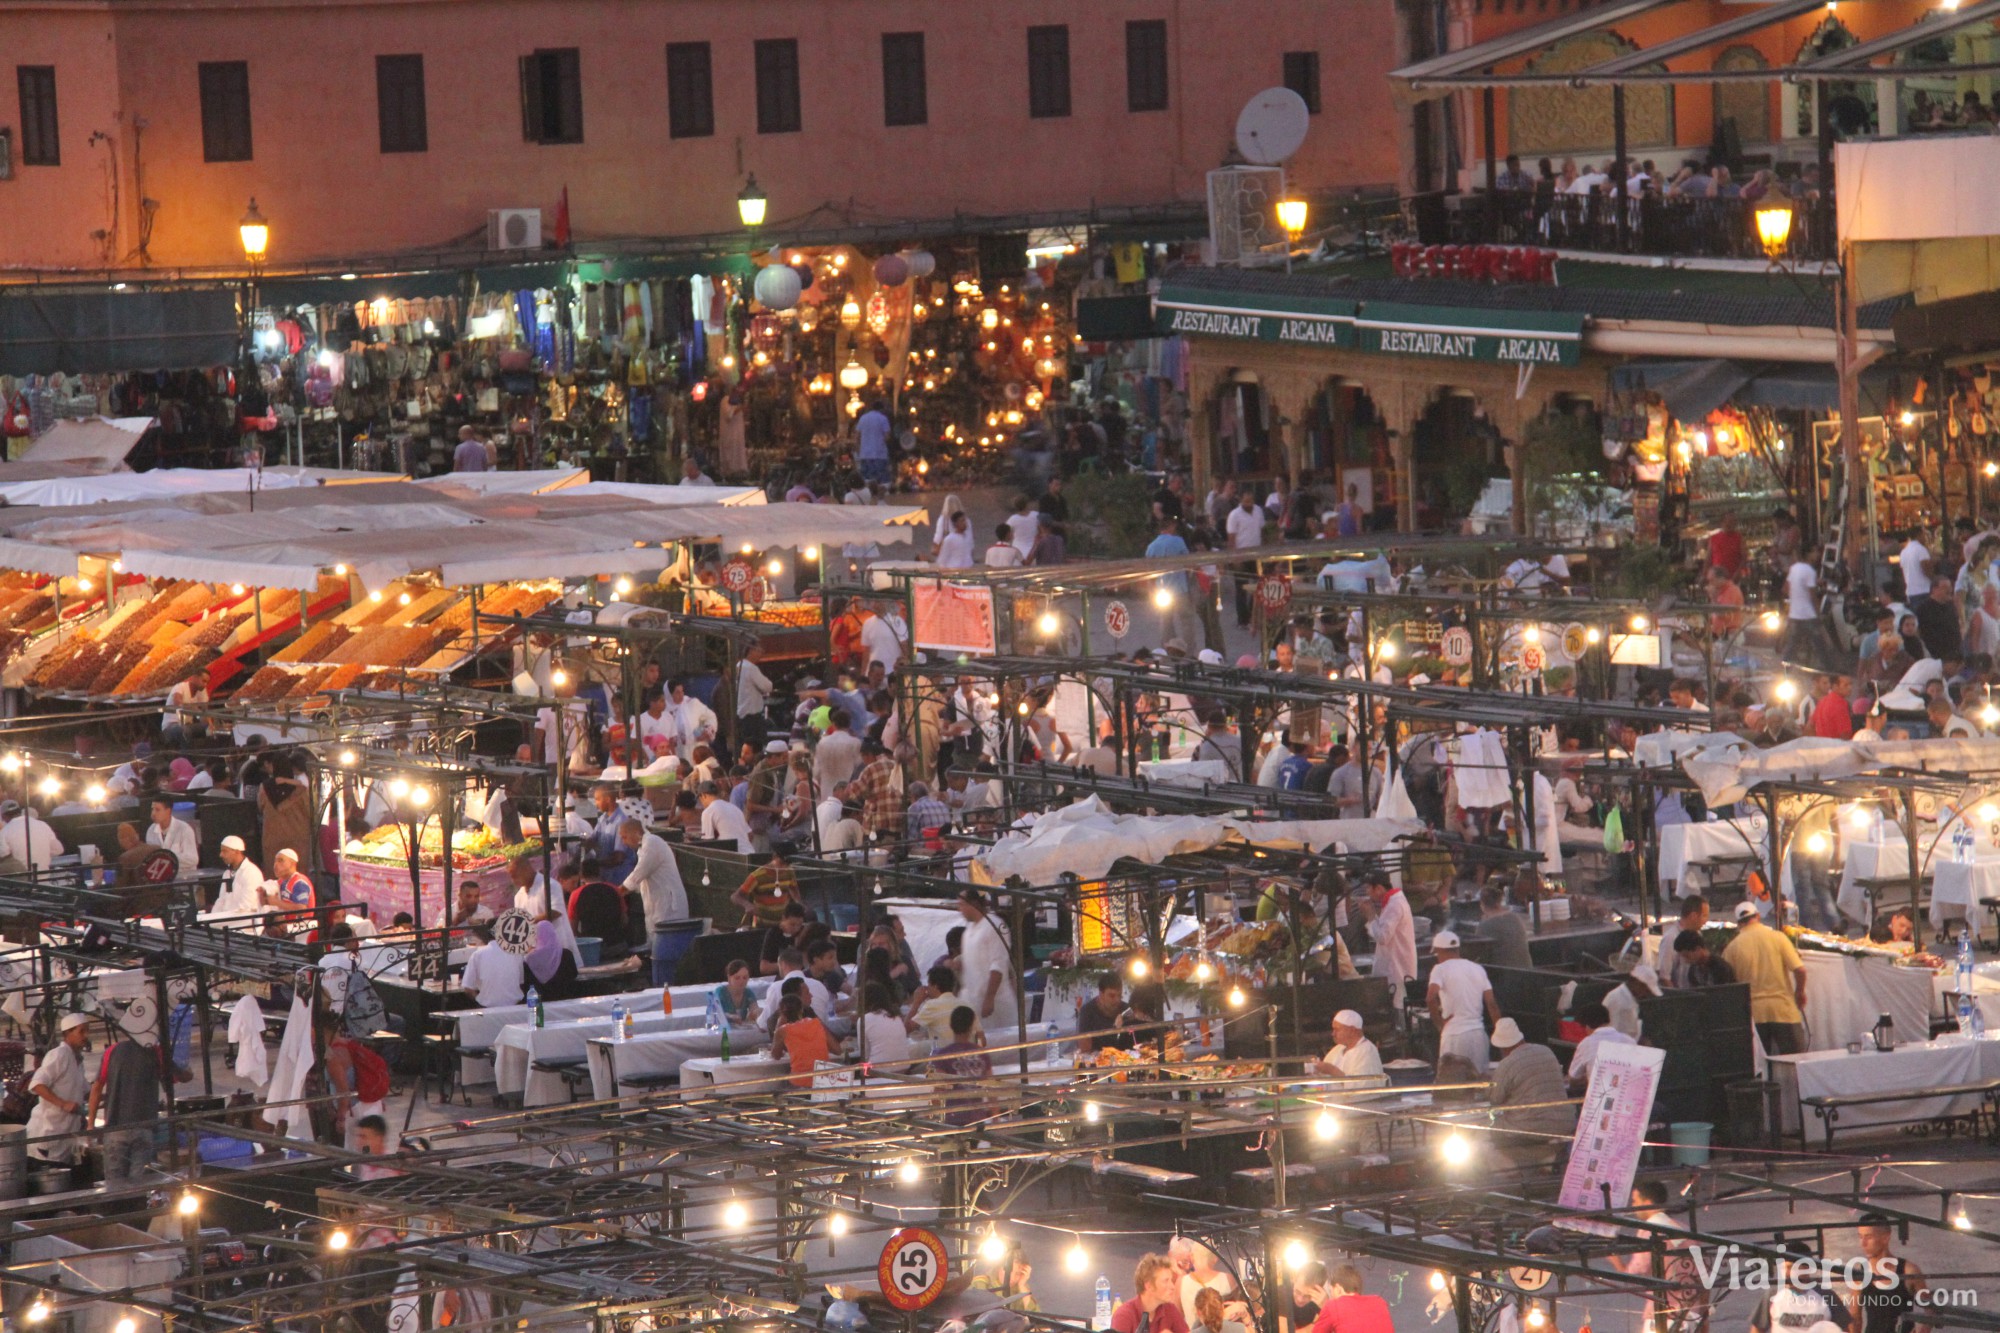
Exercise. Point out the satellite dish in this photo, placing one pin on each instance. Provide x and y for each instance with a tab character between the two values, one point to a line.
1271	126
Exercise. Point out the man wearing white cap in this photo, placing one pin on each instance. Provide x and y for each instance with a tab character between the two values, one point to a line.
1622	1002
1461	1001
290	891
243	888
60	1087
1768	962
1352	1054
1528	1080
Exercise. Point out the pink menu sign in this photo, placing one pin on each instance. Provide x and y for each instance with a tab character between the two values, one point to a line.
1610	1131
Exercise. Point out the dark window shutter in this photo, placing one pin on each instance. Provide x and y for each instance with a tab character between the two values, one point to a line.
399	104
1302	77
41	145
1146	65
690	91
905	91
1048	71
531	99
777	62
569	84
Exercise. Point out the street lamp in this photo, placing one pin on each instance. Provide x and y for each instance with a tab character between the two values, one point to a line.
1774	228
751	204
256	234
1292	217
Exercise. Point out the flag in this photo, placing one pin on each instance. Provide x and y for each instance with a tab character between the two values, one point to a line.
562	220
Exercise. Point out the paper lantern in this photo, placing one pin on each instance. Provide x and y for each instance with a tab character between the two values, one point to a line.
892	270
805	272
921	263
777	287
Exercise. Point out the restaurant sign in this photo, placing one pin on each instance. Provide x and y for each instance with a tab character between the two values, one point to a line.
1452	333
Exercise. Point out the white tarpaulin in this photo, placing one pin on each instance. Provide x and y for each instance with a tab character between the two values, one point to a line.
100	441
676	496
1728	766
1088	838
163	483
538	482
1919	189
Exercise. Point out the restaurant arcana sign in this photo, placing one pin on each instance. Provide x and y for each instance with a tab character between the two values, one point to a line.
1450	333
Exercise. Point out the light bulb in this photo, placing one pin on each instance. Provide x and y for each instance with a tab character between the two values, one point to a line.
1437	1280
126	1325
420	796
1048	624
1386	651
1163	598
910	1172
340	571
347	759
1816	844
836	1224
622	587
375	596
1076	1259
399	787
339	1239
10	763
1858	819
748	548
1988	813
1989	715
992	1249
1593	635
1456	1149
95	793
1639	624
559	678
1785	691
810	553
83	585
1961	1221
1771	621
1237	999
1138	967
1204	972
189	1205
1532	634
734	1215
1297	1256
50	786
1326	1126
1536	1319
1091	1112
403	599
118	567
236	588
775	568
1022	708
38	1312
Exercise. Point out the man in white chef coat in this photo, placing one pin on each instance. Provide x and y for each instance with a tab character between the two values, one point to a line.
655	876
1394	931
26	838
176	835
243	887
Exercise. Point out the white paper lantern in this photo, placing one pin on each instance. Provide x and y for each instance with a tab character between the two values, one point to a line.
777	287
922	263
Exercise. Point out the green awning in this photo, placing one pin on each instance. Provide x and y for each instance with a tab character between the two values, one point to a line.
1469	333
1211	312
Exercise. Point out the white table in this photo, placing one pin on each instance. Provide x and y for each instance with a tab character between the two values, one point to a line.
656	1053
481	1027
1846	993
746	1073
1914	1065
1878	860
1684	843
1957	887
520	1045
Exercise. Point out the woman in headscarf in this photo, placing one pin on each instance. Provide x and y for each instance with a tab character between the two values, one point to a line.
952	505
551	968
180	773
1913	642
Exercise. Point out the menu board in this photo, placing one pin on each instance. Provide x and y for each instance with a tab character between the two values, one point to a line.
1610	1131
952	617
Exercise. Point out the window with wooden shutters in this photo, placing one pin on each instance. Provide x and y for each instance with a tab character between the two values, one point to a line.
1302	76
905	95
1048	70
399	104
690	91
40	145
552	97
778	86
1146	65
225	110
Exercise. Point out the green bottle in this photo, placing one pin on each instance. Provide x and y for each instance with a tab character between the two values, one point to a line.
725	1039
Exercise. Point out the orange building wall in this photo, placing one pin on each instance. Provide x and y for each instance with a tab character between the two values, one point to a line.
328	191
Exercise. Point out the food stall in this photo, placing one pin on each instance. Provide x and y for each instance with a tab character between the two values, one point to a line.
376	869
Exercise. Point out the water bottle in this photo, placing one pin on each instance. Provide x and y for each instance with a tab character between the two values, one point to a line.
1966	1010
618	1020
1049	1033
1978	1020
714	1019
1965	963
625	1027
535	1003
1961	845
1101	1317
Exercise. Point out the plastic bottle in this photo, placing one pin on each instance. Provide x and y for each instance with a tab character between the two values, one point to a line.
535	1003
1101	1316
1977	1021
1050	1034
618	1020
666	999
1966	1009
625	1027
1964	986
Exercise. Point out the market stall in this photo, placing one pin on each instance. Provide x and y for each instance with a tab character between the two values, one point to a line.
376	870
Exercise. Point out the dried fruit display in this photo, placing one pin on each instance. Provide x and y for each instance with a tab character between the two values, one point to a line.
143	670
115	668
315	643
270	682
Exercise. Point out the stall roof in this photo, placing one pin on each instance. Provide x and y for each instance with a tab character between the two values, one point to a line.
164	482
103	441
676	495
539	481
1693	389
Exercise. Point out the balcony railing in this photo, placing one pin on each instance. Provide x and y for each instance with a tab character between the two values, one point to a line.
1686	227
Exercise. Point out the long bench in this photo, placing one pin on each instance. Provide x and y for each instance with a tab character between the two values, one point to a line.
1828	1106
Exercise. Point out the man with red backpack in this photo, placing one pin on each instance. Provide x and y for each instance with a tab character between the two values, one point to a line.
357	1078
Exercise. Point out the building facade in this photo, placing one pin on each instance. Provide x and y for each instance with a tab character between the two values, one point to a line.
142	130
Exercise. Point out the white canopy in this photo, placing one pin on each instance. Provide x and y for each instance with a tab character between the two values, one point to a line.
101	441
537	482
1729	766
162	483
1088	838
677	495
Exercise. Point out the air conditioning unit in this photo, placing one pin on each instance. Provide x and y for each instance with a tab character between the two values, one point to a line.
513	229
1243	214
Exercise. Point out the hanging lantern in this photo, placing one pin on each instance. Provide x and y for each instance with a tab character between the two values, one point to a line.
853	375
989	318
921	263
850	313
777	287
878	312
805	272
854	405
820	385
892	270
1048	368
